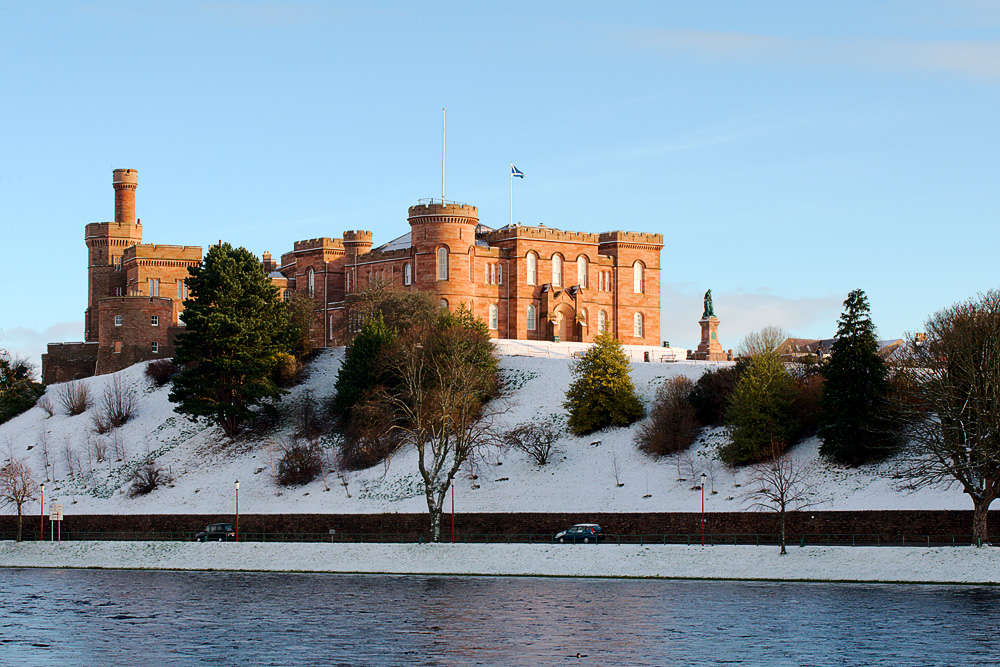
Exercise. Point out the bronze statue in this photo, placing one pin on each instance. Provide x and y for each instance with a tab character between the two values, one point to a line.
709	307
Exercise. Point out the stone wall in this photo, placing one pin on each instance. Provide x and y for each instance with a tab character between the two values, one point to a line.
68	361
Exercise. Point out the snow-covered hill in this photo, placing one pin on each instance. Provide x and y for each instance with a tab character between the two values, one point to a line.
581	478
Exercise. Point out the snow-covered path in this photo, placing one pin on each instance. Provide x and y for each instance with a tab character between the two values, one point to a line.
864	564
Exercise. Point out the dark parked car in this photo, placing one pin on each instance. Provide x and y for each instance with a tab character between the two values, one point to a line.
216	532
581	532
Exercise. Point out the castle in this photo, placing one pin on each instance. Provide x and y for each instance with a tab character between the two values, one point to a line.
526	283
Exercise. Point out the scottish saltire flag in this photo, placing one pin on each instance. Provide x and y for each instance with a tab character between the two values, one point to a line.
515	172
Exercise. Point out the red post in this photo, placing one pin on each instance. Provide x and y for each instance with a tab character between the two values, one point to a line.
452	512
41	516
237	510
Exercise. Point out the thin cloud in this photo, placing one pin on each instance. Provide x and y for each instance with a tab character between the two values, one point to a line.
31	343
978	59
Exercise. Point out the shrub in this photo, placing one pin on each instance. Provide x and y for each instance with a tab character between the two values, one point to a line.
300	463
672	425
74	397
537	438
18	399
161	371
806	400
602	393
119	404
369	436
308	418
760	412
288	370
146	478
711	393
45	403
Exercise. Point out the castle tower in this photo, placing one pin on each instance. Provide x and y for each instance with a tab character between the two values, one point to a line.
441	235
106	242
356	243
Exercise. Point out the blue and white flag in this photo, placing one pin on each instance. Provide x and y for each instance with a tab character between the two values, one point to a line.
515	172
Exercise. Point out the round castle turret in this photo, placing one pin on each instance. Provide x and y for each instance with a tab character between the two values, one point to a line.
451	224
125	182
357	242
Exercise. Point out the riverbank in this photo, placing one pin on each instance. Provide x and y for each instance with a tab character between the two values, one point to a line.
967	565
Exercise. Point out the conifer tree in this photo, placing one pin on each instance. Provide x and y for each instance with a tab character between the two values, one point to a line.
237	331
363	369
760	412
855	420
602	393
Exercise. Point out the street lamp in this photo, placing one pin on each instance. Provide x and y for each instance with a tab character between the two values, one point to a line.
41	515
702	509
237	510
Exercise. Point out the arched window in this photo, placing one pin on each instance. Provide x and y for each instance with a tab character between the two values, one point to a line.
531	318
602	322
407	274
556	270
637	277
637	326
499	274
494	316
443	303
442	255
347	282
311	281
581	271
532	268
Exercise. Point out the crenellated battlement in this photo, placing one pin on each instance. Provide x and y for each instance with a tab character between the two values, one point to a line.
324	243
539	234
635	238
383	255
121	230
355	237
447	212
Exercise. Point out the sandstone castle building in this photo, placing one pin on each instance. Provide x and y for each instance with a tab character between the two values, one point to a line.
526	283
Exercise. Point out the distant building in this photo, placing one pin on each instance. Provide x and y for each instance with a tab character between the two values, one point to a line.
527	283
797	349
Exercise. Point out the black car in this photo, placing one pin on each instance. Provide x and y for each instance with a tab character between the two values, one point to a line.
216	532
581	532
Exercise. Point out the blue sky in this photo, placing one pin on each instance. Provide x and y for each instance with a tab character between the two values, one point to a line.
789	152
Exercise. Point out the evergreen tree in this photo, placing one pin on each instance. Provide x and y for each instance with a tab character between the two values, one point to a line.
855	421
18	390
362	369
237	332
602	393
760	411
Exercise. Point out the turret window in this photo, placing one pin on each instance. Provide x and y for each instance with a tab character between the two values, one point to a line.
407	274
442	262
532	268
637	278
494	316
154	320
581	271
118	320
556	270
532	318
637	326
311	281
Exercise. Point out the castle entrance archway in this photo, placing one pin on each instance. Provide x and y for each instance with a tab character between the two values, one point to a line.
565	324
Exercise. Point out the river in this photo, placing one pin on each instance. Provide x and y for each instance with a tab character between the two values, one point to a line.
105	617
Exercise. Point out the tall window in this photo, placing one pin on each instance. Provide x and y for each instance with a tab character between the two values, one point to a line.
494	316
499	274
637	277
531	318
118	291
155	347
154	287
118	263
311	281
532	268
556	271
182	291
602	322
154	320
581	271
407	274
442	256
637	326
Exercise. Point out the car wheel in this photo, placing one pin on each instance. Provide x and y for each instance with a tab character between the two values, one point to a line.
220	539
562	540
586	540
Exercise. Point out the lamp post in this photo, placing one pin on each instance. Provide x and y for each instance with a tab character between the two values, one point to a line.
41	515
702	509
237	510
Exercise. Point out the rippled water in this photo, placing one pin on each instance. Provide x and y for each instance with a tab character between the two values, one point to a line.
101	617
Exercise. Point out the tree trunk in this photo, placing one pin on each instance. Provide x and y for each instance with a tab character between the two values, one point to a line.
782	552
434	503
979	520
18	524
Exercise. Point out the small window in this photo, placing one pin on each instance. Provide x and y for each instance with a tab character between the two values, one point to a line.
442	258
311	281
637	326
532	268
155	347
118	291
443	303
286	295
118	347
118	263
118	320
556	271
602	322
155	320
407	274
499	274
637	277
494	316
531	318
581	271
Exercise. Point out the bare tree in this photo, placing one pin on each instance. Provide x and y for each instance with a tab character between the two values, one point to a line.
691	464
672	424
119	402
74	397
538	438
780	485
17	488
616	466
118	444
45	403
446	373
950	398
44	451
764	341
71	459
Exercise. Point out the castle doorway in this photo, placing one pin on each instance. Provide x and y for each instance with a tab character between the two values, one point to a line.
565	324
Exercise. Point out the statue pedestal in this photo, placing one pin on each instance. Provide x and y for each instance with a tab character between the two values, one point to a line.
709	349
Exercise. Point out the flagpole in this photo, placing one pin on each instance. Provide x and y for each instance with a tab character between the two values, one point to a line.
511	194
442	156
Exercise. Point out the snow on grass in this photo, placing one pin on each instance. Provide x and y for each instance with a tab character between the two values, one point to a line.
581	478
967	565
